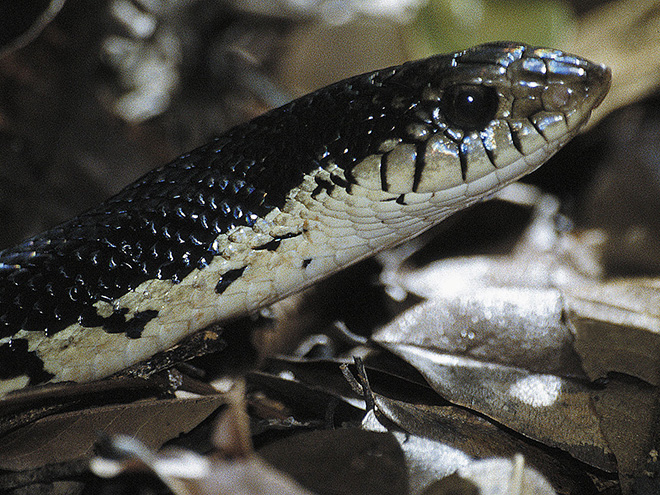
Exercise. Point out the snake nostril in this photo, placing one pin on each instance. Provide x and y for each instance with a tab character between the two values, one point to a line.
560	97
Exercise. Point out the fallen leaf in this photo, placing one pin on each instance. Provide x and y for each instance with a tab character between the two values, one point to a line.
438	440
616	326
628	410
519	326
188	473
552	410
343	461
71	435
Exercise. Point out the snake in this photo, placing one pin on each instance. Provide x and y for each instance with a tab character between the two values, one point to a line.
282	201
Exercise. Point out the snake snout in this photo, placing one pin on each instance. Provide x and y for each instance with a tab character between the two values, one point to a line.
573	86
599	78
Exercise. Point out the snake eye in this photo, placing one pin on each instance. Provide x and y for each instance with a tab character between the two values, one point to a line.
470	106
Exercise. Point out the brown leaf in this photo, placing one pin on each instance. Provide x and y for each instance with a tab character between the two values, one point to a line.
71	435
438	440
552	410
617	327
188	473
352	460
628	410
519	326
625	35
231	469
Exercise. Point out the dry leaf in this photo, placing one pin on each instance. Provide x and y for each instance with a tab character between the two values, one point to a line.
544	307
21	26
518	326
438	440
616	326
552	410
625	35
344	461
231	469
628	410
71	435
427	460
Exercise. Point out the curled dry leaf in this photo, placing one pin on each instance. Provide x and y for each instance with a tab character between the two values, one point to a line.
552	410
438	440
72	435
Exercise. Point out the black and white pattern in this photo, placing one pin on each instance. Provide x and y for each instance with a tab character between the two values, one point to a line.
281	201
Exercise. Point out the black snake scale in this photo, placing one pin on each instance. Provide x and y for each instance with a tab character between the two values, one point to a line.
281	201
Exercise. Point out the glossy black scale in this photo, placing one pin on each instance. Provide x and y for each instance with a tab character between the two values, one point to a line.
163	226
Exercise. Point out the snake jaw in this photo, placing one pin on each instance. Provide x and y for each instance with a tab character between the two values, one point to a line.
477	111
280	202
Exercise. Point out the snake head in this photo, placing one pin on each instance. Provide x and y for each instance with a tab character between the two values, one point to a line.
471	122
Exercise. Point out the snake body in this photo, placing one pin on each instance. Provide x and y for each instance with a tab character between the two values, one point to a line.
281	201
